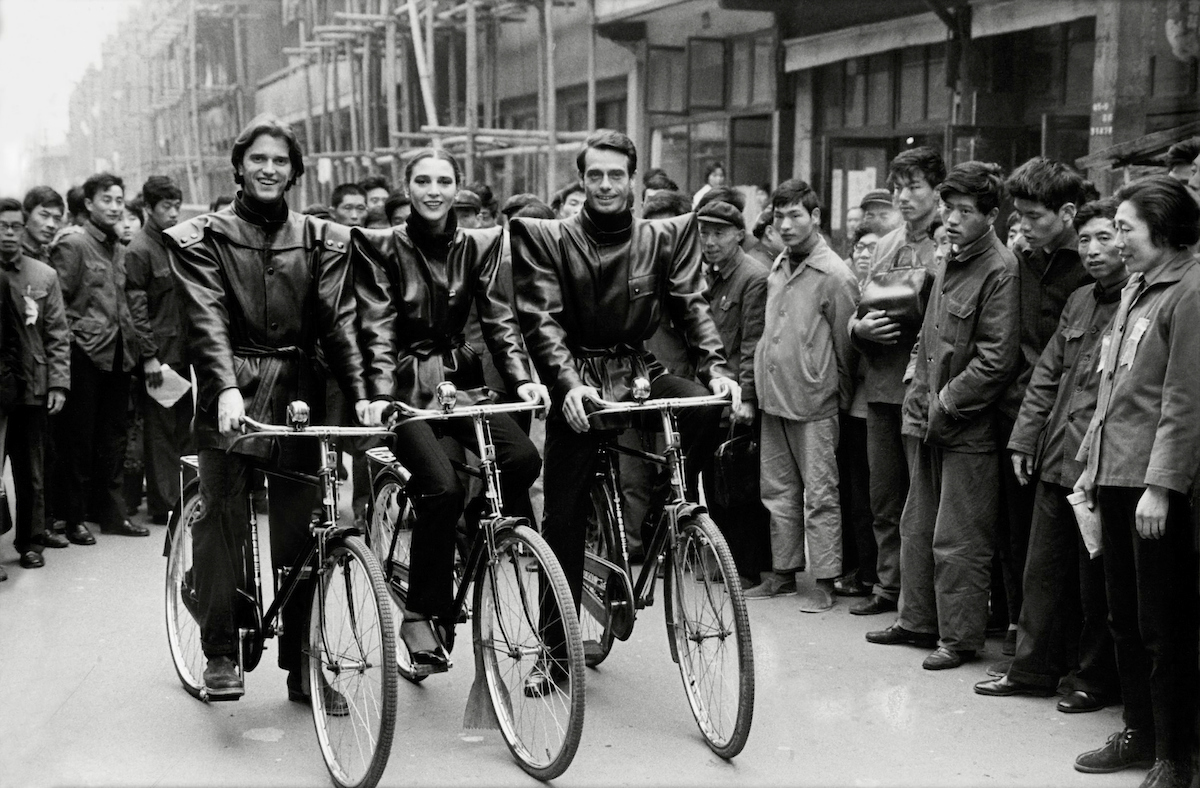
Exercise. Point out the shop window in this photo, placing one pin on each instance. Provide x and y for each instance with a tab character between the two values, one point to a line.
708	145
764	71
611	114
667	91
751	151
830	81
912	85
741	72
879	90
673	153
706	74
856	89
935	82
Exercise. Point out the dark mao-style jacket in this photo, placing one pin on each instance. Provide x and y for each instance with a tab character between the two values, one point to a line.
589	299
413	313
257	298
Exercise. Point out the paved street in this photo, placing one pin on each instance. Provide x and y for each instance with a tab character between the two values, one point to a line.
90	698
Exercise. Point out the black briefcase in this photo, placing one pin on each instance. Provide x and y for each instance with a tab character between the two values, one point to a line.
737	464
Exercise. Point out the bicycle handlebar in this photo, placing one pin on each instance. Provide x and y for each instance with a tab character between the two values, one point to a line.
660	404
409	413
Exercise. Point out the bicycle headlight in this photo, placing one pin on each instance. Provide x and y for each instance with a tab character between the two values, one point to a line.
447	395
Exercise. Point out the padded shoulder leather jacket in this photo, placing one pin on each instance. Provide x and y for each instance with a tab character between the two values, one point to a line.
256	299
588	300
413	313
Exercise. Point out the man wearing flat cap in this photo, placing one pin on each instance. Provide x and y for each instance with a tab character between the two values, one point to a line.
737	296
879	207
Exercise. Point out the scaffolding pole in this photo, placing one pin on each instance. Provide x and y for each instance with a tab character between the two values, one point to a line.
551	102
423	68
472	109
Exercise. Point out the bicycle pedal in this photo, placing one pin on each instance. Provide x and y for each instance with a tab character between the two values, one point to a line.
218	695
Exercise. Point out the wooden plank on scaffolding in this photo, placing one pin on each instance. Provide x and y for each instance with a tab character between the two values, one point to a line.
472	109
423	74
389	70
551	103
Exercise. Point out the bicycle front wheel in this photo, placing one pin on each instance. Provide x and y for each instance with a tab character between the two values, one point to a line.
532	666
706	616
183	630
351	659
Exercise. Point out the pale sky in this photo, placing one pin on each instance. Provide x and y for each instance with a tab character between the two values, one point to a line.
45	47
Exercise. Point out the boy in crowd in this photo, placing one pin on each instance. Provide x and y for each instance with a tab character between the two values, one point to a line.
43	208
348	204
965	356
1063	623
803	379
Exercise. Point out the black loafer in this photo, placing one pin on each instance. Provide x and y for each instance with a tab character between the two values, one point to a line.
32	559
79	534
1004	687
126	528
873	606
49	539
946	658
1080	702
896	635
849	585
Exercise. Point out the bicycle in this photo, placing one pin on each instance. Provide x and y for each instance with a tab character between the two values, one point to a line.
517	585
351	644
707	623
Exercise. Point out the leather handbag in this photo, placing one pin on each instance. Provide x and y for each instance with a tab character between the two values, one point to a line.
736	470
901	292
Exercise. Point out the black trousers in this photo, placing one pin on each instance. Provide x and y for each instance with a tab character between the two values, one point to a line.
1013	524
1153	608
91	442
888	477
439	496
571	465
220	530
1064	618
25	448
859	550
745	526
166	436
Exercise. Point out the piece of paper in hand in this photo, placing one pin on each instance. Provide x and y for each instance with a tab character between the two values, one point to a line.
31	311
173	387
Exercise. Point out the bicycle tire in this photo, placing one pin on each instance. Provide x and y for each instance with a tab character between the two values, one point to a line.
705	609
542	729
183	630
352	648
392	511
595	618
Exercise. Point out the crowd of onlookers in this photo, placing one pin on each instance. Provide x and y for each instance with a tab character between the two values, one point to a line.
977	411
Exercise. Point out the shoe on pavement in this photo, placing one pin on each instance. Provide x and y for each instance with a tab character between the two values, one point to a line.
126	528
773	585
850	585
818	600
1123	750
79	534
1005	687
49	539
896	635
32	559
222	681
335	702
946	658
1081	702
1169	774
872	606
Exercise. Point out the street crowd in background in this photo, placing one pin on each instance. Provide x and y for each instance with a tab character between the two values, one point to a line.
930	409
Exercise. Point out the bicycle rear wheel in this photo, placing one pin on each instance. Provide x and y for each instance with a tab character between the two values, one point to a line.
706	617
390	536
537	690
352	649
183	630
595	618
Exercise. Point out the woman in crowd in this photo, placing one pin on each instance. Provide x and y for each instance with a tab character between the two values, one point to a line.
423	277
1142	461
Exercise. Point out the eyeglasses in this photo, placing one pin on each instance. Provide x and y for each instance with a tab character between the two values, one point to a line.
15	227
862	247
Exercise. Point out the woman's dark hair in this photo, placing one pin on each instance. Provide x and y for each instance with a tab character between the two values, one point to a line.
871	227
982	181
42	195
536	210
666	204
433	153
1096	209
158	188
922	161
273	126
934	226
660	181
794	191
562	194
1167	208
395	200
713	167
137	207
100	182
607	139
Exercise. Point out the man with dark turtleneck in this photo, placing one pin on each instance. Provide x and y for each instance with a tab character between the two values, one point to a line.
259	285
589	291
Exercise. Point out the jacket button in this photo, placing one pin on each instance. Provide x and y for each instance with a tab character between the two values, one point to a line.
775	340
637	290
274	326
341	245
453	292
1070	417
808	345
270	271
195	235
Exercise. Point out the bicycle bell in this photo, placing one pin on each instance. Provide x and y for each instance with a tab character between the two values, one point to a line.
297	414
447	395
641	389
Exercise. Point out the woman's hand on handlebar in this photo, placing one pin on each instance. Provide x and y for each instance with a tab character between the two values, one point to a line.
574	408
231	409
370	414
727	387
537	393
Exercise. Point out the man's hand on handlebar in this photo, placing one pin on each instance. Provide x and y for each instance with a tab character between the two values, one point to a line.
231	409
727	387
370	414
574	410
535	392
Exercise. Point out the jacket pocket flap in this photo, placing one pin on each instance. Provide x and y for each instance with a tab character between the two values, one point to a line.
1070	334
642	286
958	309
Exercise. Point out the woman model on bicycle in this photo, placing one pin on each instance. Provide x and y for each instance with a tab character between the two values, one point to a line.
416	285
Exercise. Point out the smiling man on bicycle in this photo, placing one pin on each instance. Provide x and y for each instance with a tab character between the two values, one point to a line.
259	284
591	290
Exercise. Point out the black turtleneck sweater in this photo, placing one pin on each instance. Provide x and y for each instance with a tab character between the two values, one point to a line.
607	229
435	246
260	214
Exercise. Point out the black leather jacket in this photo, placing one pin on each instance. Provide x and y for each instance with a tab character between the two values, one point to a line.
256	297
588	299
413	311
